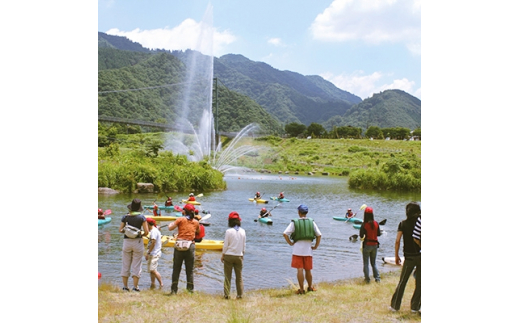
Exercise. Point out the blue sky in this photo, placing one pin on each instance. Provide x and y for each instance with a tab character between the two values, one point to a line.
362	46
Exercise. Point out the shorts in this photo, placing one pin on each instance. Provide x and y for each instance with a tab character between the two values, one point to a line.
304	262
153	262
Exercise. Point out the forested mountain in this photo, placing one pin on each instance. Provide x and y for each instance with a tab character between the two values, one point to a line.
387	109
254	89
158	74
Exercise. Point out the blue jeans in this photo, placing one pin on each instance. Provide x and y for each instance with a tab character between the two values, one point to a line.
188	257
370	252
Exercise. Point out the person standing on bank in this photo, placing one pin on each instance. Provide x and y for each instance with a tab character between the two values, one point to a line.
154	253
302	232
233	254
412	259
188	228
369	232
133	245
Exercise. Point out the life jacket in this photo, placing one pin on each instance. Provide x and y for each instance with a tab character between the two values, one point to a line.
303	229
168	203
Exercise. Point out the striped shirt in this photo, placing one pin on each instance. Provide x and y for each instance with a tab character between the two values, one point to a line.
417	229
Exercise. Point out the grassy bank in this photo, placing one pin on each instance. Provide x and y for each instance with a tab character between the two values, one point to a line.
342	301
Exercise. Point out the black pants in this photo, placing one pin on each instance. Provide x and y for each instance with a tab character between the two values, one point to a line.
188	257
408	266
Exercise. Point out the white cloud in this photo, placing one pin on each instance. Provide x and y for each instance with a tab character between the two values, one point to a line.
365	86
371	21
275	42
189	34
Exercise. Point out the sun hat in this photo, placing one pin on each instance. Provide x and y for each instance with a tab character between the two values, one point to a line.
151	221
135	206
303	208
234	215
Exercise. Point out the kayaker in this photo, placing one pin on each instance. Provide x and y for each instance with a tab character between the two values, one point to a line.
300	233
233	254
202	232
168	202
412	259
100	214
154	253
264	213
257	196
369	232
191	197
133	245
156	210
188	229
281	196
349	214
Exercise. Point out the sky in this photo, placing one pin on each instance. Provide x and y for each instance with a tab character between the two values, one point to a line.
361	46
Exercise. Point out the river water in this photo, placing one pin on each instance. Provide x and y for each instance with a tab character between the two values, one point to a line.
268	257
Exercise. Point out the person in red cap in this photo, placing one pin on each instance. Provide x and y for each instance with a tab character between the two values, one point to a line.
264	213
349	214
100	214
156	210
257	196
202	231
281	196
188	229
154	253
369	232
233	254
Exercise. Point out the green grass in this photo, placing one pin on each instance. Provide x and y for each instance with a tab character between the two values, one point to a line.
342	301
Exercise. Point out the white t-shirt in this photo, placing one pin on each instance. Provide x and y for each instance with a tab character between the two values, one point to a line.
234	242
302	247
155	234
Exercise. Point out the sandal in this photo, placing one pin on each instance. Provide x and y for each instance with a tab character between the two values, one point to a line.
300	292
311	289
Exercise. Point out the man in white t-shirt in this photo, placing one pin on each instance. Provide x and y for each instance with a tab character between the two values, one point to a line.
154	252
300	233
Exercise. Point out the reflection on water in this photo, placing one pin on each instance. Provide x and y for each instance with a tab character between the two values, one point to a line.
268	257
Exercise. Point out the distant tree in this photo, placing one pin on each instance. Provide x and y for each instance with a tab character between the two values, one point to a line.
348	132
417	133
316	130
293	129
374	132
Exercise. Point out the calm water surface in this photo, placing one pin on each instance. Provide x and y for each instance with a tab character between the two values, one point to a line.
268	257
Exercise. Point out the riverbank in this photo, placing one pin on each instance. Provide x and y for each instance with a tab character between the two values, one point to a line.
342	301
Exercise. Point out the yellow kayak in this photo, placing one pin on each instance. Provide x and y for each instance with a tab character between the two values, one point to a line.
162	218
191	202
259	201
169	241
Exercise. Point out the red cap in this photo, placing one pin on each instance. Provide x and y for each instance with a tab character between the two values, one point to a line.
368	209
264	209
151	221
189	207
234	215
100	211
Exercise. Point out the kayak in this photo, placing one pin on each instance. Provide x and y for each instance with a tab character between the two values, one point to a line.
259	201
169	241
191	202
391	260
164	208
266	220
163	217
279	199
357	225
106	220
342	218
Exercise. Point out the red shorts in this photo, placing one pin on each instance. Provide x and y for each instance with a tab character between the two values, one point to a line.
304	262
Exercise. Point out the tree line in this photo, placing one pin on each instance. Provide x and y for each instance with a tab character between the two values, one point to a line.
316	130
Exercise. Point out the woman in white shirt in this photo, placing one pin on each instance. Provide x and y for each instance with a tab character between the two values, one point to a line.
233	254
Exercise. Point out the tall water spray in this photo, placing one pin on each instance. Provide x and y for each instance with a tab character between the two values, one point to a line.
195	137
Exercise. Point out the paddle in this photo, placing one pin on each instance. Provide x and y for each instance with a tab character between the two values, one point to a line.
383	222
107	212
256	220
200	195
